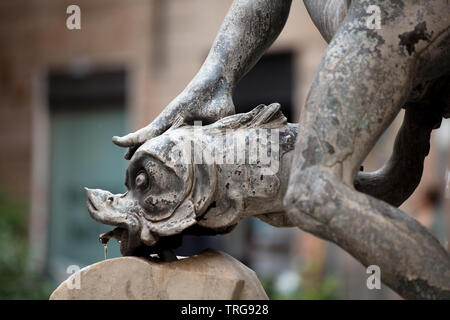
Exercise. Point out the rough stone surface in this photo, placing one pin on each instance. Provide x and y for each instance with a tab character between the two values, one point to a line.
208	275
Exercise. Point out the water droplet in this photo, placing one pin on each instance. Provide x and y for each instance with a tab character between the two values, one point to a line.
105	245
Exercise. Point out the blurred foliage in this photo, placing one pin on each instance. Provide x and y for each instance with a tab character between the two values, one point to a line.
327	289
312	286
17	281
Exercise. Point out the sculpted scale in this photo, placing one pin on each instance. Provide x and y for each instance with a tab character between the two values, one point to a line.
366	76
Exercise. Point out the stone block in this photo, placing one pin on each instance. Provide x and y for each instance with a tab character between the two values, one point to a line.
209	275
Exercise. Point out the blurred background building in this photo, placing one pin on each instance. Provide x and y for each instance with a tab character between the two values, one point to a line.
64	94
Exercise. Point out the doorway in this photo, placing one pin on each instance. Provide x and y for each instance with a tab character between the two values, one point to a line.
85	112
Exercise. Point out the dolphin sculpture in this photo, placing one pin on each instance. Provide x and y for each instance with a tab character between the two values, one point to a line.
200	180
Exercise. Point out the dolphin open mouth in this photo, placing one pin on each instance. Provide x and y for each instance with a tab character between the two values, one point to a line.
121	235
163	248
126	232
132	231
110	209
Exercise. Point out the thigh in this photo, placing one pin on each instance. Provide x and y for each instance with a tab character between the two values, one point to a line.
363	81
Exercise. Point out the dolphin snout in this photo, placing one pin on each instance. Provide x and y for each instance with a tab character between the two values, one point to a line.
98	203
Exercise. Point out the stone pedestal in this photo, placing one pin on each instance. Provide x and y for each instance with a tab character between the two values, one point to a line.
208	275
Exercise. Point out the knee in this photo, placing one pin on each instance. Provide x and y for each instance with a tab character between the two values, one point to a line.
311	199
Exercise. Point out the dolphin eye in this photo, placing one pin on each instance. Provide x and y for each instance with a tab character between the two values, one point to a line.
141	180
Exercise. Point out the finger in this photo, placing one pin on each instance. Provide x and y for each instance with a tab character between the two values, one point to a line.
157	127
125	141
178	122
134	138
131	151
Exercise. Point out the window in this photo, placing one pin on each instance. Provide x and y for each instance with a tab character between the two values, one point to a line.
85	112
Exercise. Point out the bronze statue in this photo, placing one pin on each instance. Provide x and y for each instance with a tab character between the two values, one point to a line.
200	180
366	76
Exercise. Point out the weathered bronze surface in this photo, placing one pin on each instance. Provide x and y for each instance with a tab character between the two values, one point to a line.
366	76
200	180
